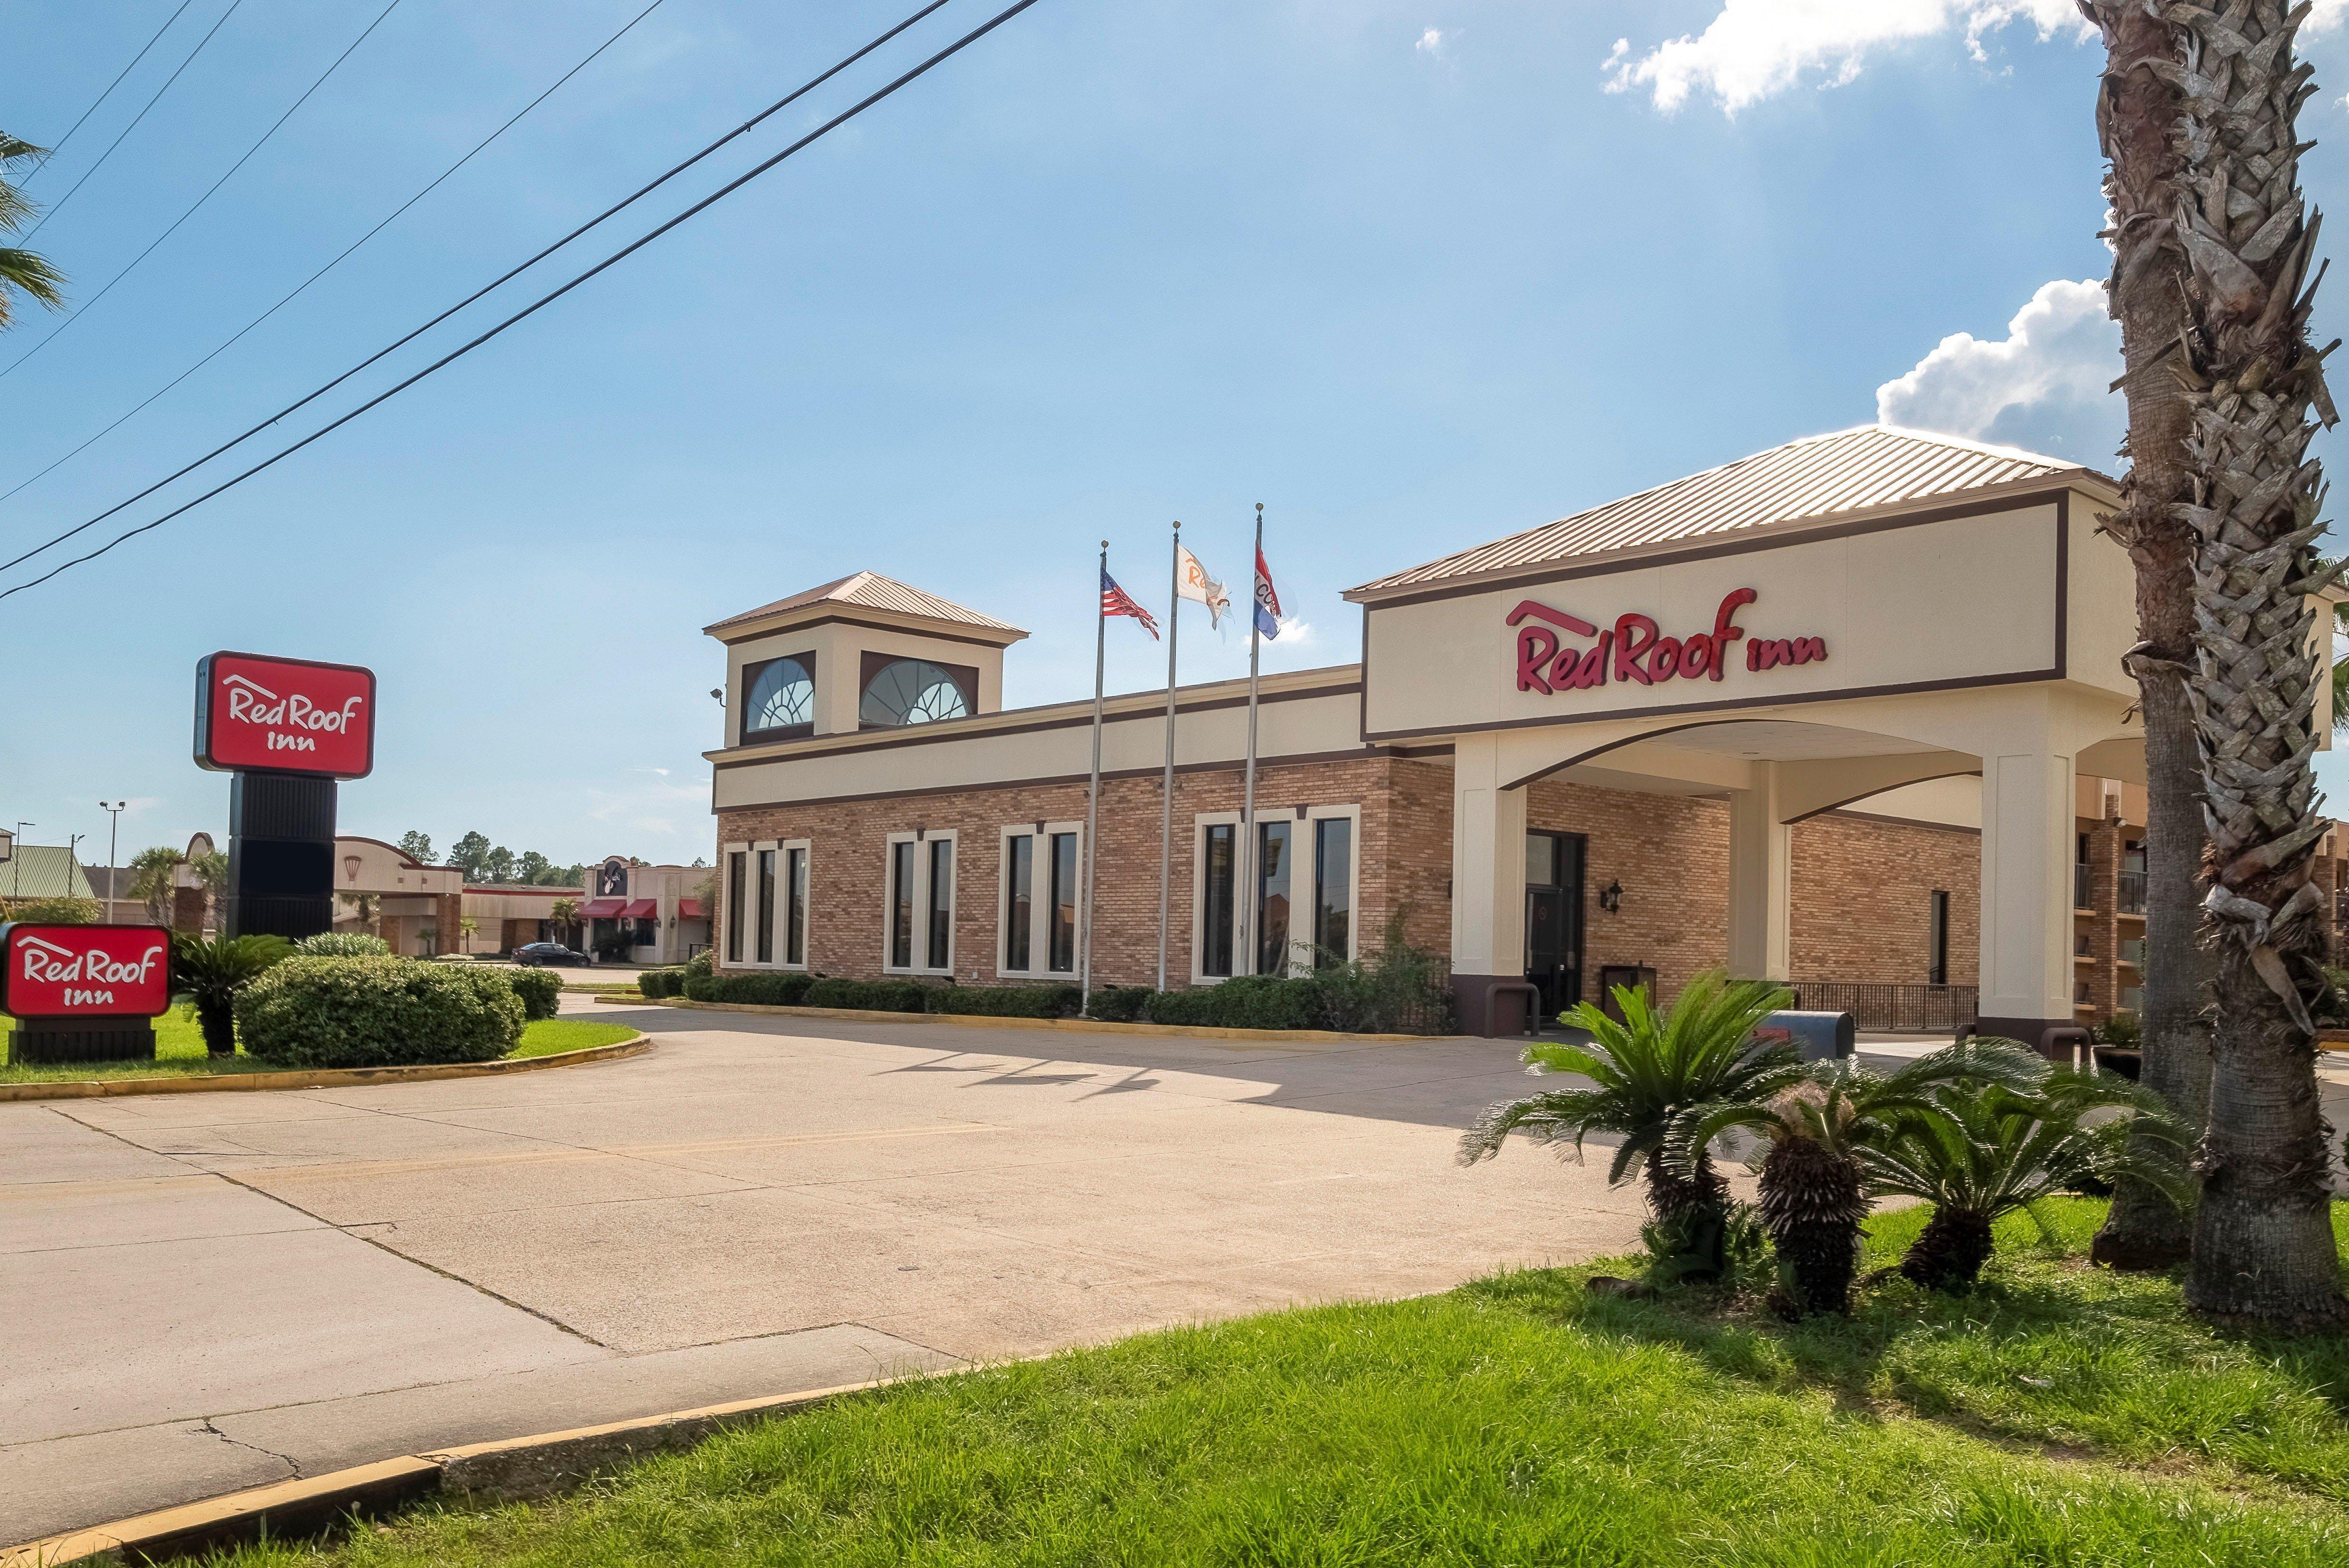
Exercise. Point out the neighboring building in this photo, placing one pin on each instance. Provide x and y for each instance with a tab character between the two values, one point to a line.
47	870
423	910
1837	714
645	913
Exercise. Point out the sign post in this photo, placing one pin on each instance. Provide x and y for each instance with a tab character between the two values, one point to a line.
287	731
85	993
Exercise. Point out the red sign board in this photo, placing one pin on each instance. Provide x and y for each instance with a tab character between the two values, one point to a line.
1637	650
256	714
84	971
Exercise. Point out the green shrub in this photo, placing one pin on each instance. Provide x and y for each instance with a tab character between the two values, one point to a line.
871	995
756	988
378	1012
1119	1004
1243	1002
343	945
50	910
540	990
661	982
2121	1029
702	963
1006	1001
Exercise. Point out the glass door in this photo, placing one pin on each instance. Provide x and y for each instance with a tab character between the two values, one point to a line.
1553	918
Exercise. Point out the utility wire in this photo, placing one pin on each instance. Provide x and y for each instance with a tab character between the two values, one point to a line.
78	310
780	104
834	123
330	266
101	97
126	129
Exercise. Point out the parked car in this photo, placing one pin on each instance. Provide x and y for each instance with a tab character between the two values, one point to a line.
532	952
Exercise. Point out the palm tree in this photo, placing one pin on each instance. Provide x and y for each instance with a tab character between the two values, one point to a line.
20	270
2250	380
1814	1195
155	879
2137	121
1979	1150
1645	1071
210	973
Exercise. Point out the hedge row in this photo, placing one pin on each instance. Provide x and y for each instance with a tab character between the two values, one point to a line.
797	990
313	1012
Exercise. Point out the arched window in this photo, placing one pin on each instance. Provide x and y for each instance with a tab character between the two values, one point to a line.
781	696
911	691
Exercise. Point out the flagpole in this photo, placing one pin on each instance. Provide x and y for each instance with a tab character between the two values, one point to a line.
1092	790
1243	873
1166	815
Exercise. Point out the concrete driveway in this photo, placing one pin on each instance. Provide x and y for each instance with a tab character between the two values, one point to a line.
208	1292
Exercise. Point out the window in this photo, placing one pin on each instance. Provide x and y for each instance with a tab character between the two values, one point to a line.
1220	859
1272	878
795	905
1020	874
1333	891
1936	940
734	907
912	691
1062	958
766	906
779	698
918	938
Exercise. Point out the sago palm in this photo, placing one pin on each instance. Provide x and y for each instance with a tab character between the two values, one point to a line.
210	973
1813	1188
21	270
1978	1151
1645	1071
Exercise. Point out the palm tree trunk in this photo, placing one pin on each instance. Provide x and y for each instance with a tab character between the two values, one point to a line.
1949	1251
2137	118
2263	1248
1812	1204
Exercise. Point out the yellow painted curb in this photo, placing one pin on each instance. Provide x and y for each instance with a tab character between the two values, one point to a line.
511	1467
989	1021
315	1077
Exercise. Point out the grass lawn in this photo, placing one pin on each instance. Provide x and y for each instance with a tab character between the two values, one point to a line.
2059	1417
180	1051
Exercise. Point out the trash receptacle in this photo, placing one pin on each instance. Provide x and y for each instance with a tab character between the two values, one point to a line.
1818	1037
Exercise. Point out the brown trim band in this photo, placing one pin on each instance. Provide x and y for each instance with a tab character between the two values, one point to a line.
1540	574
1003	642
1264	764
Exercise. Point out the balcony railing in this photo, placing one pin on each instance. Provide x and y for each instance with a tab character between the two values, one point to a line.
1885	1006
2084	888
2132	893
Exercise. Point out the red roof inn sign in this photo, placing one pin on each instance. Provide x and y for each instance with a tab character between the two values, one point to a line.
50	972
1636	649
256	714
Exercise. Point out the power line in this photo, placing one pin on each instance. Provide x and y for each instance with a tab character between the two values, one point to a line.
330	266
549	298
771	109
101	97
78	310
60	201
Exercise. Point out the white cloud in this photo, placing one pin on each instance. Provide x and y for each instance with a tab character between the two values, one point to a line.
1431	42
2044	385
2326	15
1756	48
1295	630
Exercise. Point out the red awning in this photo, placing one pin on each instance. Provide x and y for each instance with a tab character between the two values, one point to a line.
689	908
600	908
641	908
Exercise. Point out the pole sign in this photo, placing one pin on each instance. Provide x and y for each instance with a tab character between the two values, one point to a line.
53	972
261	715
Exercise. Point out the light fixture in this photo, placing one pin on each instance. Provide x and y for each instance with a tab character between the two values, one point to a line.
719	694
1611	897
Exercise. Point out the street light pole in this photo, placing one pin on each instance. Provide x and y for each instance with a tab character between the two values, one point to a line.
113	843
17	875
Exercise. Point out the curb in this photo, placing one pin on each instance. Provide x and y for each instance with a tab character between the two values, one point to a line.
315	1077
511	1470
992	1021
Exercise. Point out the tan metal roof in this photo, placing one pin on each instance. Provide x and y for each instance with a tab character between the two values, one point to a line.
1860	469
872	591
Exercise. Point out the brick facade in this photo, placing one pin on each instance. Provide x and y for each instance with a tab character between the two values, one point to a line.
1862	899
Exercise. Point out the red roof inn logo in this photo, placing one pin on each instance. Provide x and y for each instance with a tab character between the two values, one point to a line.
284	716
84	971
1637	649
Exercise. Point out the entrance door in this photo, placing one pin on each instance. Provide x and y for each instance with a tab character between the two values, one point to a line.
1553	918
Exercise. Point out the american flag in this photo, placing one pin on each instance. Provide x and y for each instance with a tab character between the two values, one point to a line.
1116	600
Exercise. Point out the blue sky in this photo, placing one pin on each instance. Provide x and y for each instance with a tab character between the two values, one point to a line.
1414	275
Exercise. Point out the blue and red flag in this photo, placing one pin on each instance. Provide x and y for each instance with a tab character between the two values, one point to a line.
1267	603
1116	600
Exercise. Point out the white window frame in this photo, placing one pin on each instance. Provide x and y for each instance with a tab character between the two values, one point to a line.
781	849
725	902
1040	905
1308	866
922	839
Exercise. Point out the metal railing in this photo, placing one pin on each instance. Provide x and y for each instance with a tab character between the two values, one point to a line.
2083	887
2132	899
1884	1005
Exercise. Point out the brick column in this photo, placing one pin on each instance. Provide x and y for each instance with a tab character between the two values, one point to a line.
452	910
2104	926
388	927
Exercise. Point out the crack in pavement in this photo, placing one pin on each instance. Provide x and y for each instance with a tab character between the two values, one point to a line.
206	1426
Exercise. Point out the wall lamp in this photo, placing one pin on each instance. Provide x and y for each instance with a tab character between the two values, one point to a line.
719	693
1611	897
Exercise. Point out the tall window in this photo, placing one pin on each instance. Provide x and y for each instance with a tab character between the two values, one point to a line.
778	698
941	943
734	907
1018	902
1219	846
911	691
1936	940
1062	957
766	906
795	898
901	904
1274	843
1333	890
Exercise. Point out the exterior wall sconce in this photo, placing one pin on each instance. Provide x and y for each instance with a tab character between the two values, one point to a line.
1611	897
